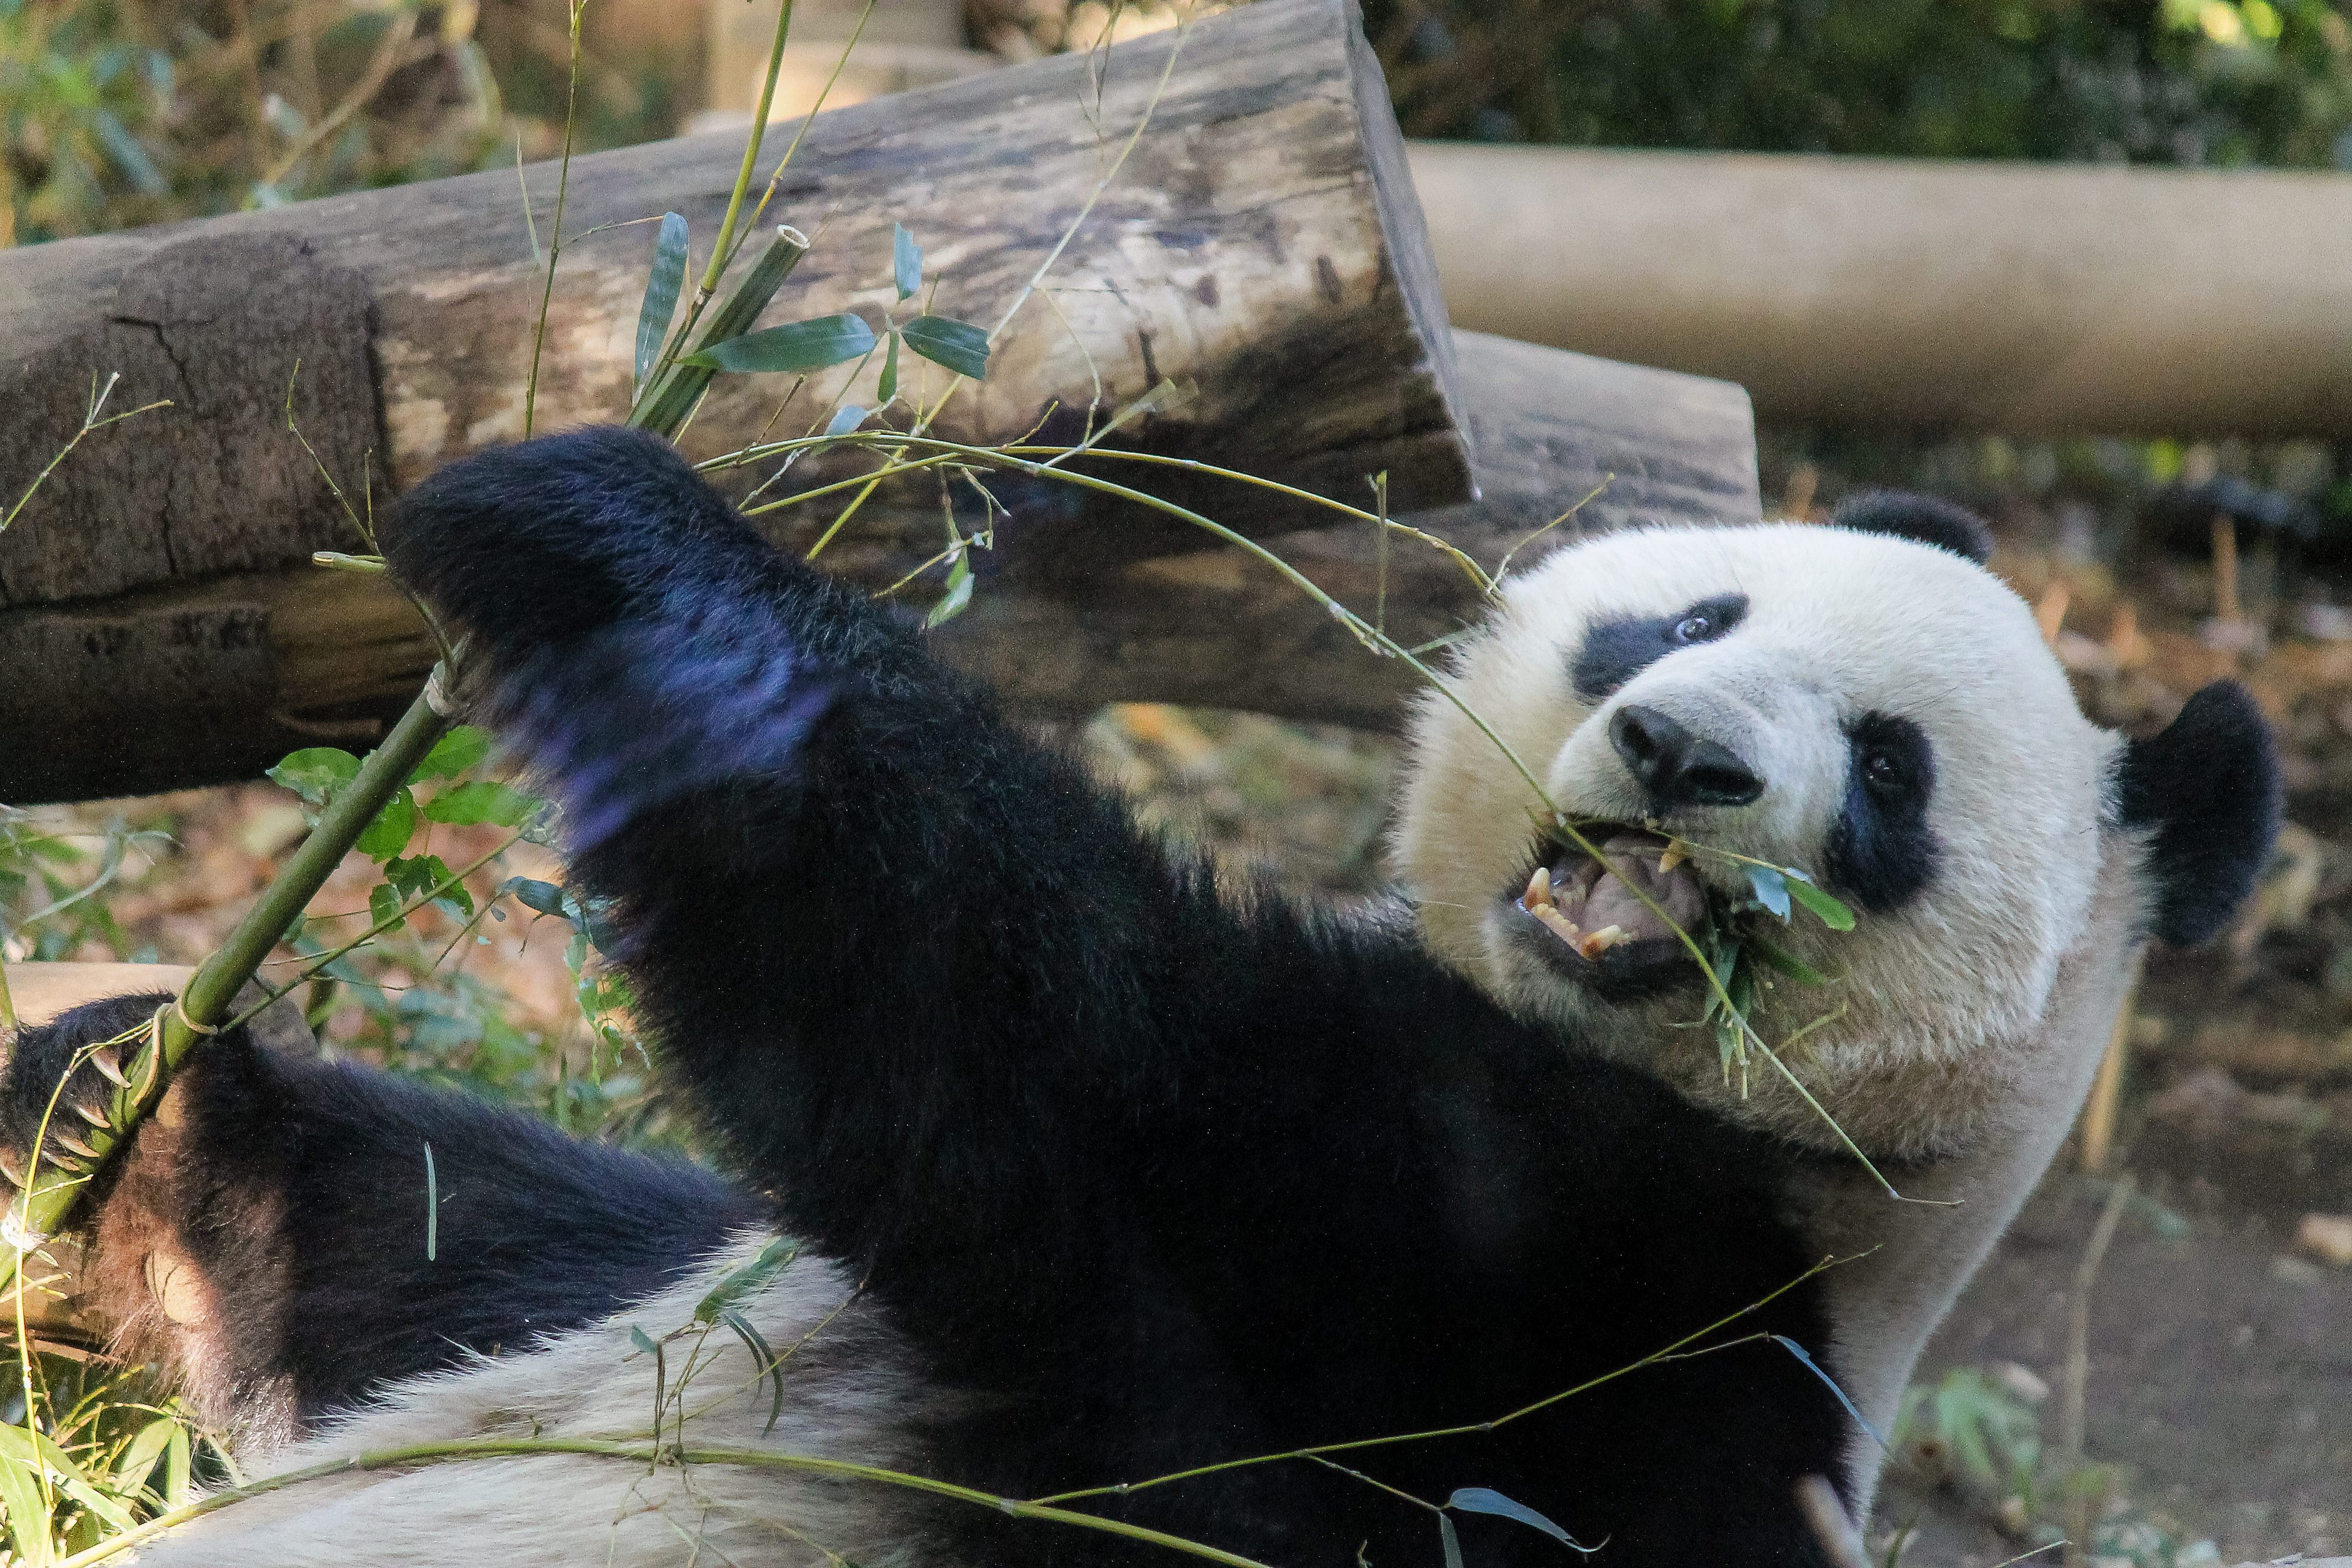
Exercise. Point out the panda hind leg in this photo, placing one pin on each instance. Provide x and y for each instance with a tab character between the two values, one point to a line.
286	1237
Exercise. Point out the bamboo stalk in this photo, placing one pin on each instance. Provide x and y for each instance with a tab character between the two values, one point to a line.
670	397
52	1188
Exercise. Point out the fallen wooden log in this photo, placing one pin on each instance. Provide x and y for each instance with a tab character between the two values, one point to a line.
1884	293
1259	242
218	678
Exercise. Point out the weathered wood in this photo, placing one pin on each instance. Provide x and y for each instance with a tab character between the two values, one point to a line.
217	323
263	662
1261	242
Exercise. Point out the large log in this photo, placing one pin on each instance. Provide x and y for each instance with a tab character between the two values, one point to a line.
216	679
2020	297
1260	242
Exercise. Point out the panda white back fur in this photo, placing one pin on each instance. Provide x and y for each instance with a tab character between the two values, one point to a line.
1135	1179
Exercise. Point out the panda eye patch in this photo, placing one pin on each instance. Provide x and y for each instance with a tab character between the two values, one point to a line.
1615	651
1882	850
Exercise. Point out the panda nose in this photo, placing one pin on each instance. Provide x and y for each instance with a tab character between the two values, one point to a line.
1677	767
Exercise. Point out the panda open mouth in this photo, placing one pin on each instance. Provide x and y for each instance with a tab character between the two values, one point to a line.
1591	925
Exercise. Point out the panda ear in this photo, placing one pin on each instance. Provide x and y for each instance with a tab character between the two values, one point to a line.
1930	519
2208	793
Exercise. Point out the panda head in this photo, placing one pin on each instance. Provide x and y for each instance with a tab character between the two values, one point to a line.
1864	702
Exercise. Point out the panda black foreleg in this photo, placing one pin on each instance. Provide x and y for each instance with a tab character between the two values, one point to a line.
265	1239
921	975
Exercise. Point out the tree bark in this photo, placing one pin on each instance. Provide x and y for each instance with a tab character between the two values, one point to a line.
216	679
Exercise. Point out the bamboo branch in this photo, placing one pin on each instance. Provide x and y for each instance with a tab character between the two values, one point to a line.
44	1205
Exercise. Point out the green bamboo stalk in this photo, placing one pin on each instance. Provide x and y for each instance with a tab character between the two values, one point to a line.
670	397
53	1186
642	1454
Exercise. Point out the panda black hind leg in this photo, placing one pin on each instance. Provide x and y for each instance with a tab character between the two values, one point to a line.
264	1240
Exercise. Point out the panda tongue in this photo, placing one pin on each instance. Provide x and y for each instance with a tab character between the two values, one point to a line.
1612	903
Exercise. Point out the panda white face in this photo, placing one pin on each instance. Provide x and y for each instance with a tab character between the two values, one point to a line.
1879	713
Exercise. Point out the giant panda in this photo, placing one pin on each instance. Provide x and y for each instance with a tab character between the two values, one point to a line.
1099	1172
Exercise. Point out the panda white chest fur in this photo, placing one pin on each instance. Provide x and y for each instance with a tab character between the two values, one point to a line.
1104	1176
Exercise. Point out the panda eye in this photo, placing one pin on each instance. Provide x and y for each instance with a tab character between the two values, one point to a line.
1882	772
1696	627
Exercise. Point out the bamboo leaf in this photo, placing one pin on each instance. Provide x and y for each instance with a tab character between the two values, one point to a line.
1450	1540
1771	889
532	894
1483	1500
141	1455
906	261
765	1361
746	1279
179	1464
460	751
1785	961
30	1449
887	387
483	800
849	418
389	833
958	594
316	773
29	1519
943	340
797	346
1830	913
662	285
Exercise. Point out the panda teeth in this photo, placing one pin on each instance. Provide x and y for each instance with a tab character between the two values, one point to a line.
1559	924
1674	856
1538	893
1600	942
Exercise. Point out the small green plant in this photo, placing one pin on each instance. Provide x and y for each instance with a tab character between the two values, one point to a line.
1970	1431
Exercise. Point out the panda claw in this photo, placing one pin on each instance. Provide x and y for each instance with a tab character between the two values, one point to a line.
67	1141
108	1063
8	1168
94	1116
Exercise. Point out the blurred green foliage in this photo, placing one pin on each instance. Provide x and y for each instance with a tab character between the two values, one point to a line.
2162	81
118	112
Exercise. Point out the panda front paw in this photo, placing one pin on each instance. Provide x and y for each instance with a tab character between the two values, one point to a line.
61	1077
